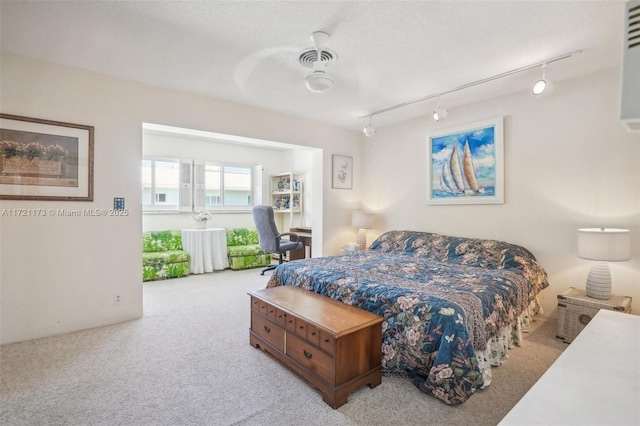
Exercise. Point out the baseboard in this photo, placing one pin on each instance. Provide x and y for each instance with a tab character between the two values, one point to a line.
68	328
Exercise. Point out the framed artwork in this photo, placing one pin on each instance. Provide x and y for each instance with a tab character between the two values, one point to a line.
342	175
465	165
45	160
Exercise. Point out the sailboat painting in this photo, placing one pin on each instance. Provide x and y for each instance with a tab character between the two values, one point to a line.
466	165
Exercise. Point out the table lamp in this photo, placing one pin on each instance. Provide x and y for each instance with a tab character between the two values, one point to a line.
602	245
362	221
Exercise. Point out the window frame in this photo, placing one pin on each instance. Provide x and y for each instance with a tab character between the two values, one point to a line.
222	207
153	207
190	192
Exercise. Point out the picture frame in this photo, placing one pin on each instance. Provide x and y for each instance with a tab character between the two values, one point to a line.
342	172
465	164
45	160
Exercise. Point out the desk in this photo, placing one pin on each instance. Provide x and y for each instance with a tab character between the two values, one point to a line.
595	381
304	235
207	248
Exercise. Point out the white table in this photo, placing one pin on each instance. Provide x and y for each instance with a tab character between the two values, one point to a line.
207	248
595	381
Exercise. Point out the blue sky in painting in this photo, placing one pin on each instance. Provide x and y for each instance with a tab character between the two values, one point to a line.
482	146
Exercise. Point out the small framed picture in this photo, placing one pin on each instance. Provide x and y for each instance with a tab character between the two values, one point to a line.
342	175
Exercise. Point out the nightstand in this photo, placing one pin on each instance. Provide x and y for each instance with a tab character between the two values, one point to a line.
575	310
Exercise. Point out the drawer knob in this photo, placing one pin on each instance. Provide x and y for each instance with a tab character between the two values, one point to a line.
267	329
307	355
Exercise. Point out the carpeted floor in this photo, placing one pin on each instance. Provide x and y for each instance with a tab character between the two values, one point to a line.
188	362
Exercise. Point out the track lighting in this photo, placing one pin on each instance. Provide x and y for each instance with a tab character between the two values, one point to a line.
543	85
369	130
439	113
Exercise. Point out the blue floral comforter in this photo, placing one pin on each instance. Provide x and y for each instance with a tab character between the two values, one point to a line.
442	298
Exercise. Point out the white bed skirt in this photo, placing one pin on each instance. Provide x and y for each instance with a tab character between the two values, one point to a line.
510	336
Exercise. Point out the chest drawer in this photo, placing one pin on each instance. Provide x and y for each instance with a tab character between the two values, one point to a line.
268	331
334	346
301	328
313	335
327	342
281	318
311	358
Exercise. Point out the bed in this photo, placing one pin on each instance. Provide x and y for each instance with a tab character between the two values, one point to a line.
452	306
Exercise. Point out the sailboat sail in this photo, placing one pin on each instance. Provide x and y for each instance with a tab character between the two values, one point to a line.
456	173
460	180
445	179
467	168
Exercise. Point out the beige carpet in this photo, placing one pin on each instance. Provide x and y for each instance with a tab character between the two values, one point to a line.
189	362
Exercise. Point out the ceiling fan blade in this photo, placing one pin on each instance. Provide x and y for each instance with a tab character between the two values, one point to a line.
248	64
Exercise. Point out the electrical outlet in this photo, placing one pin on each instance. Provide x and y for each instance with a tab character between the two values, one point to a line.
117	298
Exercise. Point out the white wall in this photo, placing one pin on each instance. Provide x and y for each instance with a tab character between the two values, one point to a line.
569	163
59	274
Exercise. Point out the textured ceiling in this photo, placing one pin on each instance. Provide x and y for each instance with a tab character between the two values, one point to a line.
389	52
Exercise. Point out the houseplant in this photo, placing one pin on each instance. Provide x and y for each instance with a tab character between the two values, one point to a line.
201	218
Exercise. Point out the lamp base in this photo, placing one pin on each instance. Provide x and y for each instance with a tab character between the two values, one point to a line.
361	239
599	281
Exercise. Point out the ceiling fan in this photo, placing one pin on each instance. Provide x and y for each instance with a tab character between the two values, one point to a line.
319	59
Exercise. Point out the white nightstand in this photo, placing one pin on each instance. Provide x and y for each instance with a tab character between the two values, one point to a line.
575	310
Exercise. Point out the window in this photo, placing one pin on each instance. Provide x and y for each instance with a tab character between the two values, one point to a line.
160	184
188	185
228	186
212	184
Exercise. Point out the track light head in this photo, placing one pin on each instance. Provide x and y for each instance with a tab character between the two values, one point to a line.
369	130
543	85
439	113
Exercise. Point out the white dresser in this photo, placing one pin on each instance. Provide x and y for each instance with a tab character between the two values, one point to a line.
596	380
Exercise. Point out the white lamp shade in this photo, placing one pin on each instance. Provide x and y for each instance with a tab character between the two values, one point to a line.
604	244
362	220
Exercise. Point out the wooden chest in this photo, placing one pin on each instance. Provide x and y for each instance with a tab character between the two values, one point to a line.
335	347
575	310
